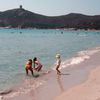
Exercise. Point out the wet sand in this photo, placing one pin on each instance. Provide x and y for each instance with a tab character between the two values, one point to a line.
55	86
90	90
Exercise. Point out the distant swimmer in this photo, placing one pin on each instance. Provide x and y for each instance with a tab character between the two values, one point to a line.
20	32
37	64
61	32
28	66
58	63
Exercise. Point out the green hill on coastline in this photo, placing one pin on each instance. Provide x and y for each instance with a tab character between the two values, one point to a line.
21	18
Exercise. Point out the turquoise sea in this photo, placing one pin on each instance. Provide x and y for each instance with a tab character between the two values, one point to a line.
18	45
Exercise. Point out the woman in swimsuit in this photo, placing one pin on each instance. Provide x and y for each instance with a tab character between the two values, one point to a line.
28	66
37	63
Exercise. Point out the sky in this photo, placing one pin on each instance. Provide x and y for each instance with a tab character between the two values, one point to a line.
54	7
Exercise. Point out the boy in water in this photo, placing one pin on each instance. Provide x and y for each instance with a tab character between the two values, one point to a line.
36	62
58	63
28	66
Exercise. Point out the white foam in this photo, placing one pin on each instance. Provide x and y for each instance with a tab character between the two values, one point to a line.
74	61
89	52
78	60
80	57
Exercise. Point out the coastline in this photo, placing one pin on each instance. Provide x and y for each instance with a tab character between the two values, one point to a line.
54	85
75	29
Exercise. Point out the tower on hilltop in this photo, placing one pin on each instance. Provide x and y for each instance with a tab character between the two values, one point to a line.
21	7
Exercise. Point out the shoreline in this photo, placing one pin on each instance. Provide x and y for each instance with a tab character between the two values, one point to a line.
56	85
75	29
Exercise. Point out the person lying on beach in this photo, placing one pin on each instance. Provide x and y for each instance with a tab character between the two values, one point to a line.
58	63
28	66
38	66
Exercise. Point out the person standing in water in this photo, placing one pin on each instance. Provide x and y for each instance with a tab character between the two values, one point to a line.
28	66
36	62
58	63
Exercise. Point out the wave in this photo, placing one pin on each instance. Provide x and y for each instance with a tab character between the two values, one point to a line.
80	57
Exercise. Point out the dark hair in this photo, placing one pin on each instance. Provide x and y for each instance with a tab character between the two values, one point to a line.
30	60
34	59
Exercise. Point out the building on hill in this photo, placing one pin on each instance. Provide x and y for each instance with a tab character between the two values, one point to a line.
21	7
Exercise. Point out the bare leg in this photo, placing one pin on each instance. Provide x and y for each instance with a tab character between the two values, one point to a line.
31	71
39	68
26	71
58	71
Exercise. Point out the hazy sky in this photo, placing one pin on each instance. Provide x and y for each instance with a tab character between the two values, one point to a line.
54	7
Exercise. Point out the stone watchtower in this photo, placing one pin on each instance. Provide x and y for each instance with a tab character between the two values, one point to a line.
21	7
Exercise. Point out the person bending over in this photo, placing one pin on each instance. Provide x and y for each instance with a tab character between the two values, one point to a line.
37	64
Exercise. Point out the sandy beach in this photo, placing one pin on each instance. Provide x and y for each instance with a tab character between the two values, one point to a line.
71	85
90	90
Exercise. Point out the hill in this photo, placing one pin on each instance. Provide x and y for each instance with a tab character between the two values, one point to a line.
21	18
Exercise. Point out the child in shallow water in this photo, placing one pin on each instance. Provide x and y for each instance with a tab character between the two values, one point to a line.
28	66
58	63
39	65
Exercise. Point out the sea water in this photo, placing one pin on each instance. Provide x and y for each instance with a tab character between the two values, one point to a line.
18	45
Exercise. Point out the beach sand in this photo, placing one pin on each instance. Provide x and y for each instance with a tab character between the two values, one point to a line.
67	86
90	90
